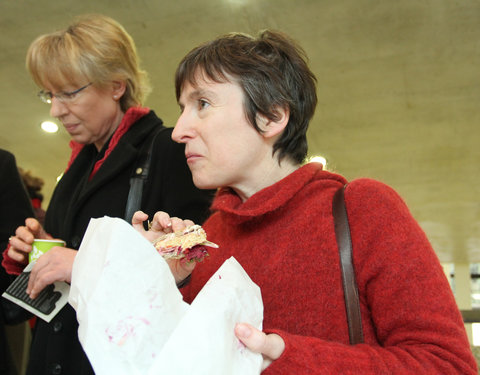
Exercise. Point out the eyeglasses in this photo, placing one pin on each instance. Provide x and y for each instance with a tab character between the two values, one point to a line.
64	97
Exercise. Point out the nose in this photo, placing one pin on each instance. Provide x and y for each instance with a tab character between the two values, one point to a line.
183	129
57	108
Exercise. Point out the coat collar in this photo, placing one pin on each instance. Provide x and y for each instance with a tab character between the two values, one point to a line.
126	151
269	199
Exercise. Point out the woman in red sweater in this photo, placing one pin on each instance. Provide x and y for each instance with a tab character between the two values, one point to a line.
246	104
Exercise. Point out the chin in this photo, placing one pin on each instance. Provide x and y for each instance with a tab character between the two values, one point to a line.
204	184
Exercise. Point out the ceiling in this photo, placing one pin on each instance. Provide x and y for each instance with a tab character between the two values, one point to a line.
398	86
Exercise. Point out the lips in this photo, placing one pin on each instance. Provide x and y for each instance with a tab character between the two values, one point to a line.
70	127
192	157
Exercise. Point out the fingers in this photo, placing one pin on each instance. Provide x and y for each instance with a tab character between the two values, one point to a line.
188	222
161	222
178	224
39	279
55	265
138	219
34	227
23	234
21	242
271	346
181	268
18	250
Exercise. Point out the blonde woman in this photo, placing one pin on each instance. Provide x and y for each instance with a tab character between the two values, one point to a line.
89	74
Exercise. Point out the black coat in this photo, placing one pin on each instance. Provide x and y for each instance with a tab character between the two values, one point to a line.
15	207
55	347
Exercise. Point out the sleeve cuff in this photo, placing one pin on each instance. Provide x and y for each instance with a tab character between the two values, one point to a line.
12	267
184	282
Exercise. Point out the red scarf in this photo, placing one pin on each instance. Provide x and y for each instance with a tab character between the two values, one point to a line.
132	115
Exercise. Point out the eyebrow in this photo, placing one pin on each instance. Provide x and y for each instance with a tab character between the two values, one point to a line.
198	93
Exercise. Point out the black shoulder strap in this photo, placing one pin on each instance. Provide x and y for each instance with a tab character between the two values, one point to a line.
137	181
350	289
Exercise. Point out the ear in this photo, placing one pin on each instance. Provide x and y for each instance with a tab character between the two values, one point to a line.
118	89
273	128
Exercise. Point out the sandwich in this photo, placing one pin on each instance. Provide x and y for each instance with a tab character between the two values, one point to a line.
190	243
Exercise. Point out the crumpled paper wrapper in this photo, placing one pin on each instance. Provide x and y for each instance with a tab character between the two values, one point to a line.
133	320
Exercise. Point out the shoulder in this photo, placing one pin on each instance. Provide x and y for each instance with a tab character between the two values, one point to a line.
371	192
373	203
166	154
6	156
7	162
150	117
156	129
145	128
148	131
163	135
5	153
163	142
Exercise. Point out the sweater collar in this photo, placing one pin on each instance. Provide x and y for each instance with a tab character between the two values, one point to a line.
266	200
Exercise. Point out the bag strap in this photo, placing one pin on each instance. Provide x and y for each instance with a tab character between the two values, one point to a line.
137	181
350	289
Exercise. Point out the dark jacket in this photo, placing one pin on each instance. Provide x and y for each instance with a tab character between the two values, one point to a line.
15	207
55	347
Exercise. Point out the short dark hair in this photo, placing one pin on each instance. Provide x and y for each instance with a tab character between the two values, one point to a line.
273	73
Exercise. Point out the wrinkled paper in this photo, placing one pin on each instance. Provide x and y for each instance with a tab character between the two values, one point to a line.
133	320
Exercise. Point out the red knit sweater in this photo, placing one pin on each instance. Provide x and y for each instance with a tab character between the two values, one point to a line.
284	238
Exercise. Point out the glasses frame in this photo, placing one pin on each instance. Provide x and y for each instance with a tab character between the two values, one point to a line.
64	97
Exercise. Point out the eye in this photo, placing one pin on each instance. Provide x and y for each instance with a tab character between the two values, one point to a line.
69	95
202	104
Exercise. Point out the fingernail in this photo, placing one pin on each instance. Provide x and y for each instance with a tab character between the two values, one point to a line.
244	331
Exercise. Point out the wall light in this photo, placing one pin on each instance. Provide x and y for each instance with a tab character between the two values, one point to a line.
49	127
319	159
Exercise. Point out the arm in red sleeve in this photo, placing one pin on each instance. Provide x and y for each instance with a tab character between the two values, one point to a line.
410	318
12	267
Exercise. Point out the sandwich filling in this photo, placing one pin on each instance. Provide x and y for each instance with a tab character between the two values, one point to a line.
190	243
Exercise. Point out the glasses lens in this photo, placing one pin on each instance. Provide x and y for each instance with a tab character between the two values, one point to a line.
45	96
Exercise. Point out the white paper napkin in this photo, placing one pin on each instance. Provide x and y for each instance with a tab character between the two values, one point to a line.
132	319
204	340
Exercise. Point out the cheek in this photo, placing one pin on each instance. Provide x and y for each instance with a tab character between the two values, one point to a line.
223	150
86	111
229	158
99	115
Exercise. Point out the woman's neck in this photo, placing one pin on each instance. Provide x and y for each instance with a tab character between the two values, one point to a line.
266	176
115	123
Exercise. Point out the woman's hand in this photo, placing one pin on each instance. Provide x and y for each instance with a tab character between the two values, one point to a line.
162	224
270	346
55	265
21	243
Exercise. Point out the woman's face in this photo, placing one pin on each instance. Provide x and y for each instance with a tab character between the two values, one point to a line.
222	148
92	115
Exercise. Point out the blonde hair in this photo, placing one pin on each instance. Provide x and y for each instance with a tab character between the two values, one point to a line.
94	48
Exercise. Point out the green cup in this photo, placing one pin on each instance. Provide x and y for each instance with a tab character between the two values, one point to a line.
40	247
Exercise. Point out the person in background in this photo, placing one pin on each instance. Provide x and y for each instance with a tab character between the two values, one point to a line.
90	76
246	103
15	207
34	188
